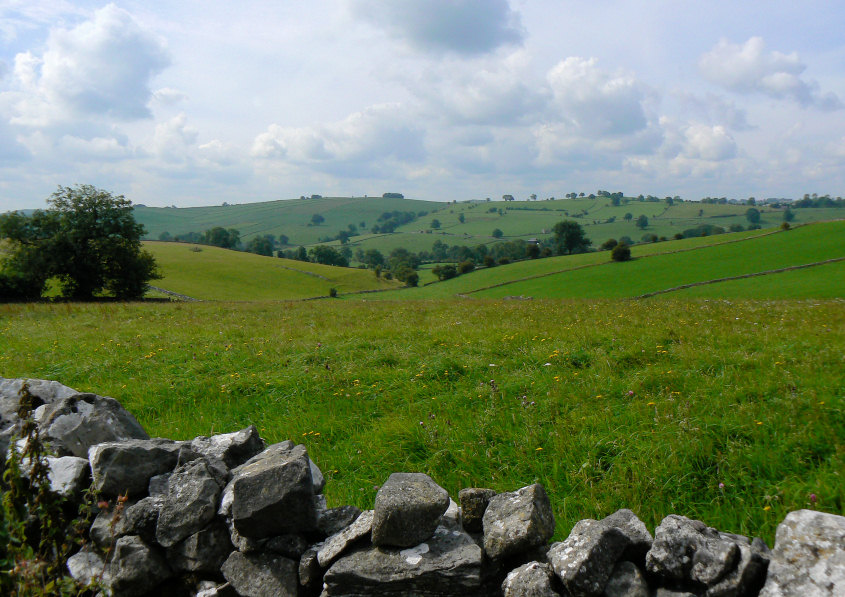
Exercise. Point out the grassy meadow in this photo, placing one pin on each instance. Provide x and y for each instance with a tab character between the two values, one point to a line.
642	404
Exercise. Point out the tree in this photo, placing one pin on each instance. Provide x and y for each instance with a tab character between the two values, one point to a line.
221	237
461	218
642	222
87	238
621	252
260	245
327	256
609	244
497	233
628	217
788	215
435	223
752	214
445	272
507	197
532	250
317	219
569	237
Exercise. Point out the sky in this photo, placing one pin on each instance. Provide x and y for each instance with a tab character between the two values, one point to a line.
199	102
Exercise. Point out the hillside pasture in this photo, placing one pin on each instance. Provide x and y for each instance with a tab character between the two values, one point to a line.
211	273
608	404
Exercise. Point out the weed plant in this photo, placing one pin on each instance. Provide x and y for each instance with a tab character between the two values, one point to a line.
728	412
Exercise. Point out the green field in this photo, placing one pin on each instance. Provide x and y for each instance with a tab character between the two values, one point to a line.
648	405
518	219
211	273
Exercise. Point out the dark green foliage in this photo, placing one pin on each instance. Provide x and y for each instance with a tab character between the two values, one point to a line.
461	218
642	222
333	292
570	237
445	272
393	196
37	530
532	250
608	244
317	219
621	252
489	261
788	215
260	245
704	230
497	233
327	256
465	267
87	238
222	237
753	215
435	224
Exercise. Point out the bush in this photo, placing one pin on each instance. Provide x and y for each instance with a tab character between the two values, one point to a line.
608	244
464	267
785	226
504	261
489	261
333	292
621	252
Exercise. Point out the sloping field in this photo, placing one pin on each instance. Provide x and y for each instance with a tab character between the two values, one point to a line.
219	274
808	244
289	217
660	266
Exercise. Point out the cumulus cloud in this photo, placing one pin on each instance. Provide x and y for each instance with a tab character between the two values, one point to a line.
364	139
595	101
101	67
461	26
169	97
706	142
751	68
714	109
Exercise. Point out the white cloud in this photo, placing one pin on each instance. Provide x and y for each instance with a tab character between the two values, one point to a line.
459	26
706	142
714	109
750	68
174	139
169	97
99	68
378	134
595	101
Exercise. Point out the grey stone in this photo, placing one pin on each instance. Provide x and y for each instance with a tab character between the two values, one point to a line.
474	502
407	510
290	545
688	550
215	590
633	528
317	478
191	502
585	560
663	592
334	520
140	518
72	425
261	575
516	522
340	542
42	390
100	531
272	495
118	467
749	574
809	556
450	563
86	567
534	579
136	568
310	571
626	580
69	475
158	485
204	551
232	448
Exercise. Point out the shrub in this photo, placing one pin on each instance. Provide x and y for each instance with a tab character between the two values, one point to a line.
489	261
504	261
464	267
785	226
333	292
608	244
621	252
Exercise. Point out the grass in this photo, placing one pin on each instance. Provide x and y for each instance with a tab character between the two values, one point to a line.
648	405
518	220
659	266
211	273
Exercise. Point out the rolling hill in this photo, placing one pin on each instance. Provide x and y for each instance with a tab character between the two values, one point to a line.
211	273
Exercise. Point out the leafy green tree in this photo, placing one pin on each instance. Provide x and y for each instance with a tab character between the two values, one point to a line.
629	216
752	214
327	256
532	250
570	237
497	233
435	224
788	215
461	218
317	219
621	252
222	237
260	245
445	272
642	222
608	244
165	236
87	238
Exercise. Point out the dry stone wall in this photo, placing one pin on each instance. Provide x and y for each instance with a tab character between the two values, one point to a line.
229	515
